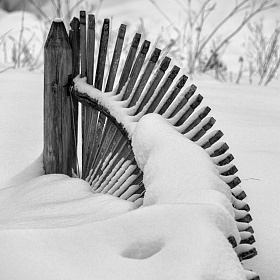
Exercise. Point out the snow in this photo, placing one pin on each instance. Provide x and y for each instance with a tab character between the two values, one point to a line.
117	108
249	118
56	201
57	20
149	243
21	120
174	167
64	236
55	227
246	115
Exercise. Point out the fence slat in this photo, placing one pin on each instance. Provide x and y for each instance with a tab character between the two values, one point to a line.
102	55
210	122
145	77
105	173
129	61
163	89
117	141
98	120
195	103
136	68
220	150
152	85
74	38
109	132
88	113
229	158
90	48
199	118
116	58
124	154
174	93
189	93
90	121
57	107
83	43
83	50
110	128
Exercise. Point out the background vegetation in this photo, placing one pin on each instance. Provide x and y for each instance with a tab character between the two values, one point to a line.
193	47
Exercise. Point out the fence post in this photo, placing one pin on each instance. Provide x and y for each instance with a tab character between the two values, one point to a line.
58	130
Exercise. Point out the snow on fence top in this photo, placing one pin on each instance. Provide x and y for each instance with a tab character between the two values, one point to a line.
112	115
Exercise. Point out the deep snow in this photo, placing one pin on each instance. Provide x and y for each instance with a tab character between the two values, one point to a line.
42	220
248	116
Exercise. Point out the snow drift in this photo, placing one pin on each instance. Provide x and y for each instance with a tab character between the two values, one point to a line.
54	227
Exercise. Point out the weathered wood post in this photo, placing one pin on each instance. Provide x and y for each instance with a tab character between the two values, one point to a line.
58	134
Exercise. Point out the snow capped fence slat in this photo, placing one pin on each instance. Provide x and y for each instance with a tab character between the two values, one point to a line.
113	100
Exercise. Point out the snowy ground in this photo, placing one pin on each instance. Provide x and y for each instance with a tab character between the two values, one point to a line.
248	116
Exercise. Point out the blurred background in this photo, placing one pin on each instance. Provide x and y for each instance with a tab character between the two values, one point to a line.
232	38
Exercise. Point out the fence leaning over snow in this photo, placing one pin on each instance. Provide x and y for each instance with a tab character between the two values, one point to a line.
111	110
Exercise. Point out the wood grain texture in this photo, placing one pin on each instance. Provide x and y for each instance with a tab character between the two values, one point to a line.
129	61
144	77
58	129
139	61
83	44
116	58
90	48
163	89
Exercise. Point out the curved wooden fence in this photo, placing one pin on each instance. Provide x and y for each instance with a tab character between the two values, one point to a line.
138	81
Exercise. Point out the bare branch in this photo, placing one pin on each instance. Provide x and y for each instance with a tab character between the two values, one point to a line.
202	9
246	19
234	11
38	8
243	23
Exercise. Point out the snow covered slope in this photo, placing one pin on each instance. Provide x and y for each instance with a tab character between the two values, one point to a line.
190	229
249	117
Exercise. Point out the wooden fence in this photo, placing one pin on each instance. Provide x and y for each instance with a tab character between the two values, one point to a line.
143	81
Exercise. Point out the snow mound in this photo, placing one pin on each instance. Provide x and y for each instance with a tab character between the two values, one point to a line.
56	201
176	170
157	242
55	227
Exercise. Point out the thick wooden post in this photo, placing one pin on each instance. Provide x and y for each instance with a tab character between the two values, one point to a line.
58	132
